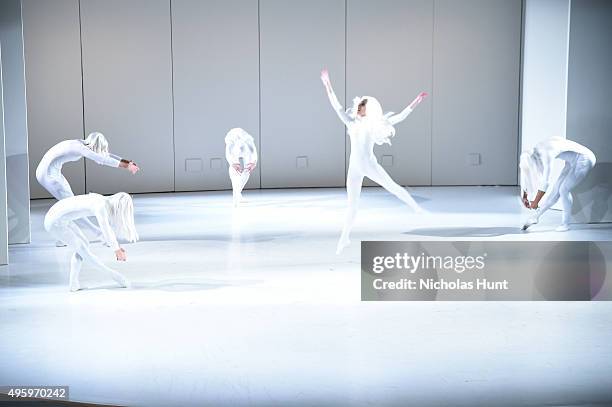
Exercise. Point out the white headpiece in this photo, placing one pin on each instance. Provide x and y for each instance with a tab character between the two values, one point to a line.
97	142
122	216
381	129
237	134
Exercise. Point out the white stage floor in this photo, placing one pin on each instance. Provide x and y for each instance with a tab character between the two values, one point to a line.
252	307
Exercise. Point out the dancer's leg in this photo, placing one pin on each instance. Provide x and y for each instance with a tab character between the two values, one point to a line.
576	175
63	234
244	179
353	189
85	253
236	179
378	174
76	262
550	199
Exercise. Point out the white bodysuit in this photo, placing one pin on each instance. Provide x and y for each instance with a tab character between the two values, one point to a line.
60	222
49	170
364	132
239	144
579	160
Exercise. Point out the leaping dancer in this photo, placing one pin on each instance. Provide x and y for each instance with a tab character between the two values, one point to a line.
367	125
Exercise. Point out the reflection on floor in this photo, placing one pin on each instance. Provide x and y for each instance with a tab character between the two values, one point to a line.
252	307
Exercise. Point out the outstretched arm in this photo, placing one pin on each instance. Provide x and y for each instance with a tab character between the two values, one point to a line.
110	160
404	113
107	160
127	164
333	99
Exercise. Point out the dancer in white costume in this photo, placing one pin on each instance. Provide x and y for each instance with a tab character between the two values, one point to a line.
535	168
240	144
95	147
115	215
367	125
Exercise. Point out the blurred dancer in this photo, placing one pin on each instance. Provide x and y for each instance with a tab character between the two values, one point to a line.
536	184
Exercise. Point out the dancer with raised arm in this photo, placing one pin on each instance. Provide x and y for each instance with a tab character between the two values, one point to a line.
115	215
240	145
536	182
367	125
94	147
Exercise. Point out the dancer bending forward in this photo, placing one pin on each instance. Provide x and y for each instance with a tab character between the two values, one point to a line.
240	144
95	147
535	168
367	126
115	215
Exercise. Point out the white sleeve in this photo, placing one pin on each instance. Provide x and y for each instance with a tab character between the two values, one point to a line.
252	151
546	164
105	227
115	156
107	160
400	116
333	99
228	153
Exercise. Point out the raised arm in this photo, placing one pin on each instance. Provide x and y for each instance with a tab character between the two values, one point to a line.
333	99
404	113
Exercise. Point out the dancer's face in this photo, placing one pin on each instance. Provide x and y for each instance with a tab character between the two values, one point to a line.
361	108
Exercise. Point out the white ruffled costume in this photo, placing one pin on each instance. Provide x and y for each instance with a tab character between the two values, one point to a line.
49	170
535	166
239	145
374	128
115	215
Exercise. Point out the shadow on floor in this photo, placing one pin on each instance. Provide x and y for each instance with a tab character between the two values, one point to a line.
192	285
242	238
465	231
176	285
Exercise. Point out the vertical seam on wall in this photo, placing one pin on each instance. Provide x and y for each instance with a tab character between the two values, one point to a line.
519	141
344	136
82	91
25	93
172	97
569	27
4	210
431	120
259	88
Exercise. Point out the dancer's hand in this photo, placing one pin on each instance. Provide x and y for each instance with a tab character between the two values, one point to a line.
121	254
251	167
237	168
325	79
132	167
526	203
421	96
534	205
